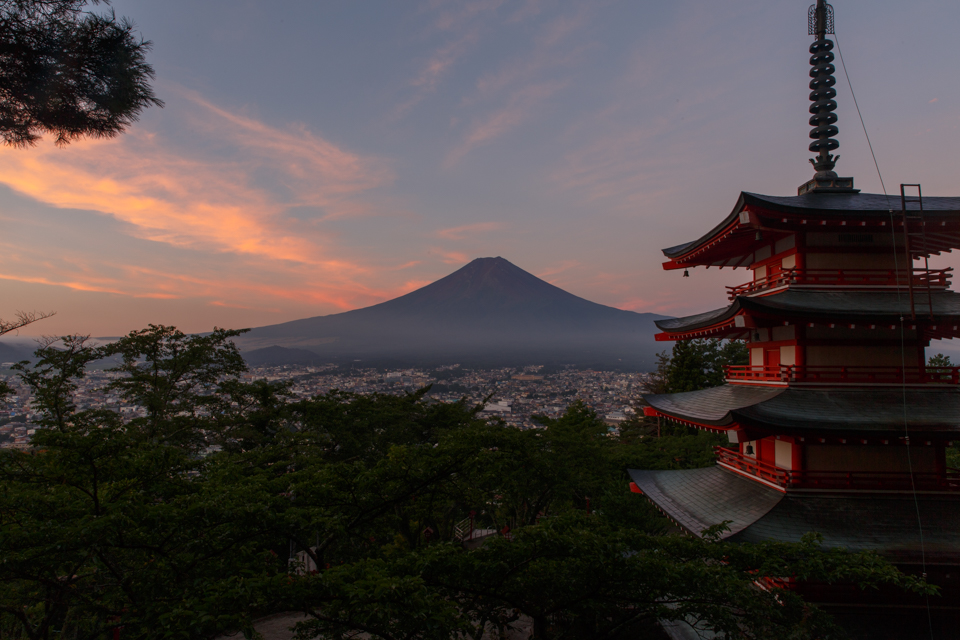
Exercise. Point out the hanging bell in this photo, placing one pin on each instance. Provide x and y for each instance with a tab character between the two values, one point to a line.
686	273
759	236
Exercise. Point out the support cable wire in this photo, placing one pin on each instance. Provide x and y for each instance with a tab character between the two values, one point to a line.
903	386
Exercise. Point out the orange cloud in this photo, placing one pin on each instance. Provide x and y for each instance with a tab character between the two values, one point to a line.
195	275
77	286
227	305
405	265
188	197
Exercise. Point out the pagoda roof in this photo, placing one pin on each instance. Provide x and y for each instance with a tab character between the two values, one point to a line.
699	498
839	306
714	406
735	233
840	203
808	412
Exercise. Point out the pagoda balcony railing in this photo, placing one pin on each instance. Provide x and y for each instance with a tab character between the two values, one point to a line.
948	480
803	374
848	278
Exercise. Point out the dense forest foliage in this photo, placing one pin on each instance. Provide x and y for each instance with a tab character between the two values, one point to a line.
227	500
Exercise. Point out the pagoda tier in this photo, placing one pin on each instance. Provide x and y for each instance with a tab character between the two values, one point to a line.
854	412
934	316
839	439
863	223
698	498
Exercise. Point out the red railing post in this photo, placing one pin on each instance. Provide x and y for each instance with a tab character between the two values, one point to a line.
800	478
844	277
844	374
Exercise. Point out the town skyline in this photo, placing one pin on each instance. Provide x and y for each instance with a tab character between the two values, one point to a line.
312	160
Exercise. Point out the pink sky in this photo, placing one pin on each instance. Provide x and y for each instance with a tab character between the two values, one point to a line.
319	157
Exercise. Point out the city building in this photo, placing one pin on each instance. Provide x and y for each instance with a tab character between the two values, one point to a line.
837	425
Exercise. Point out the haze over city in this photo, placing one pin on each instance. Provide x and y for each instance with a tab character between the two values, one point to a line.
314	158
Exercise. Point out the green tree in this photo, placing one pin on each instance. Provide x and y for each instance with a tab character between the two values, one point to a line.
138	523
692	365
699	364
939	360
69	72
180	382
112	522
579	576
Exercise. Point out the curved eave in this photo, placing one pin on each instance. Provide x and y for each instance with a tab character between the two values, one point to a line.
853	306
700	320
696	499
867	412
931	413
728	223
806	305
732	242
712	407
884	524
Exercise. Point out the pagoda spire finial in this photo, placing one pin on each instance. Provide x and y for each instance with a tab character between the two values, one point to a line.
822	94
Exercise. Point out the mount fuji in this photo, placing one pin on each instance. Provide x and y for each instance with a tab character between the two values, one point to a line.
488	313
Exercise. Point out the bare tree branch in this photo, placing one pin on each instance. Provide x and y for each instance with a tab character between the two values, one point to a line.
23	318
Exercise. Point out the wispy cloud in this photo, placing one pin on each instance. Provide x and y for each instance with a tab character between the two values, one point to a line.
233	284
558	29
549	272
442	60
627	152
510	95
450	257
520	107
191	198
461	25
65	282
434	69
405	265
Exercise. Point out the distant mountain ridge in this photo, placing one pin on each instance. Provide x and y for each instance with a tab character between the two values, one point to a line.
488	312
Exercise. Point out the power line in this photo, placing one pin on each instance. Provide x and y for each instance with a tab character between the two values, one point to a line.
903	364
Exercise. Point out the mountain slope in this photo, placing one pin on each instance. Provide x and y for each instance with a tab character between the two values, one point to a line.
490	311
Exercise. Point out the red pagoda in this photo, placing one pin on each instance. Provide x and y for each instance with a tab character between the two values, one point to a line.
839	425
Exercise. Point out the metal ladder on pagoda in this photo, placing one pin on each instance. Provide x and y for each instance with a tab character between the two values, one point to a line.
915	239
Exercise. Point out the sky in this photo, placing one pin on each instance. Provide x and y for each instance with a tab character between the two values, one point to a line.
317	157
